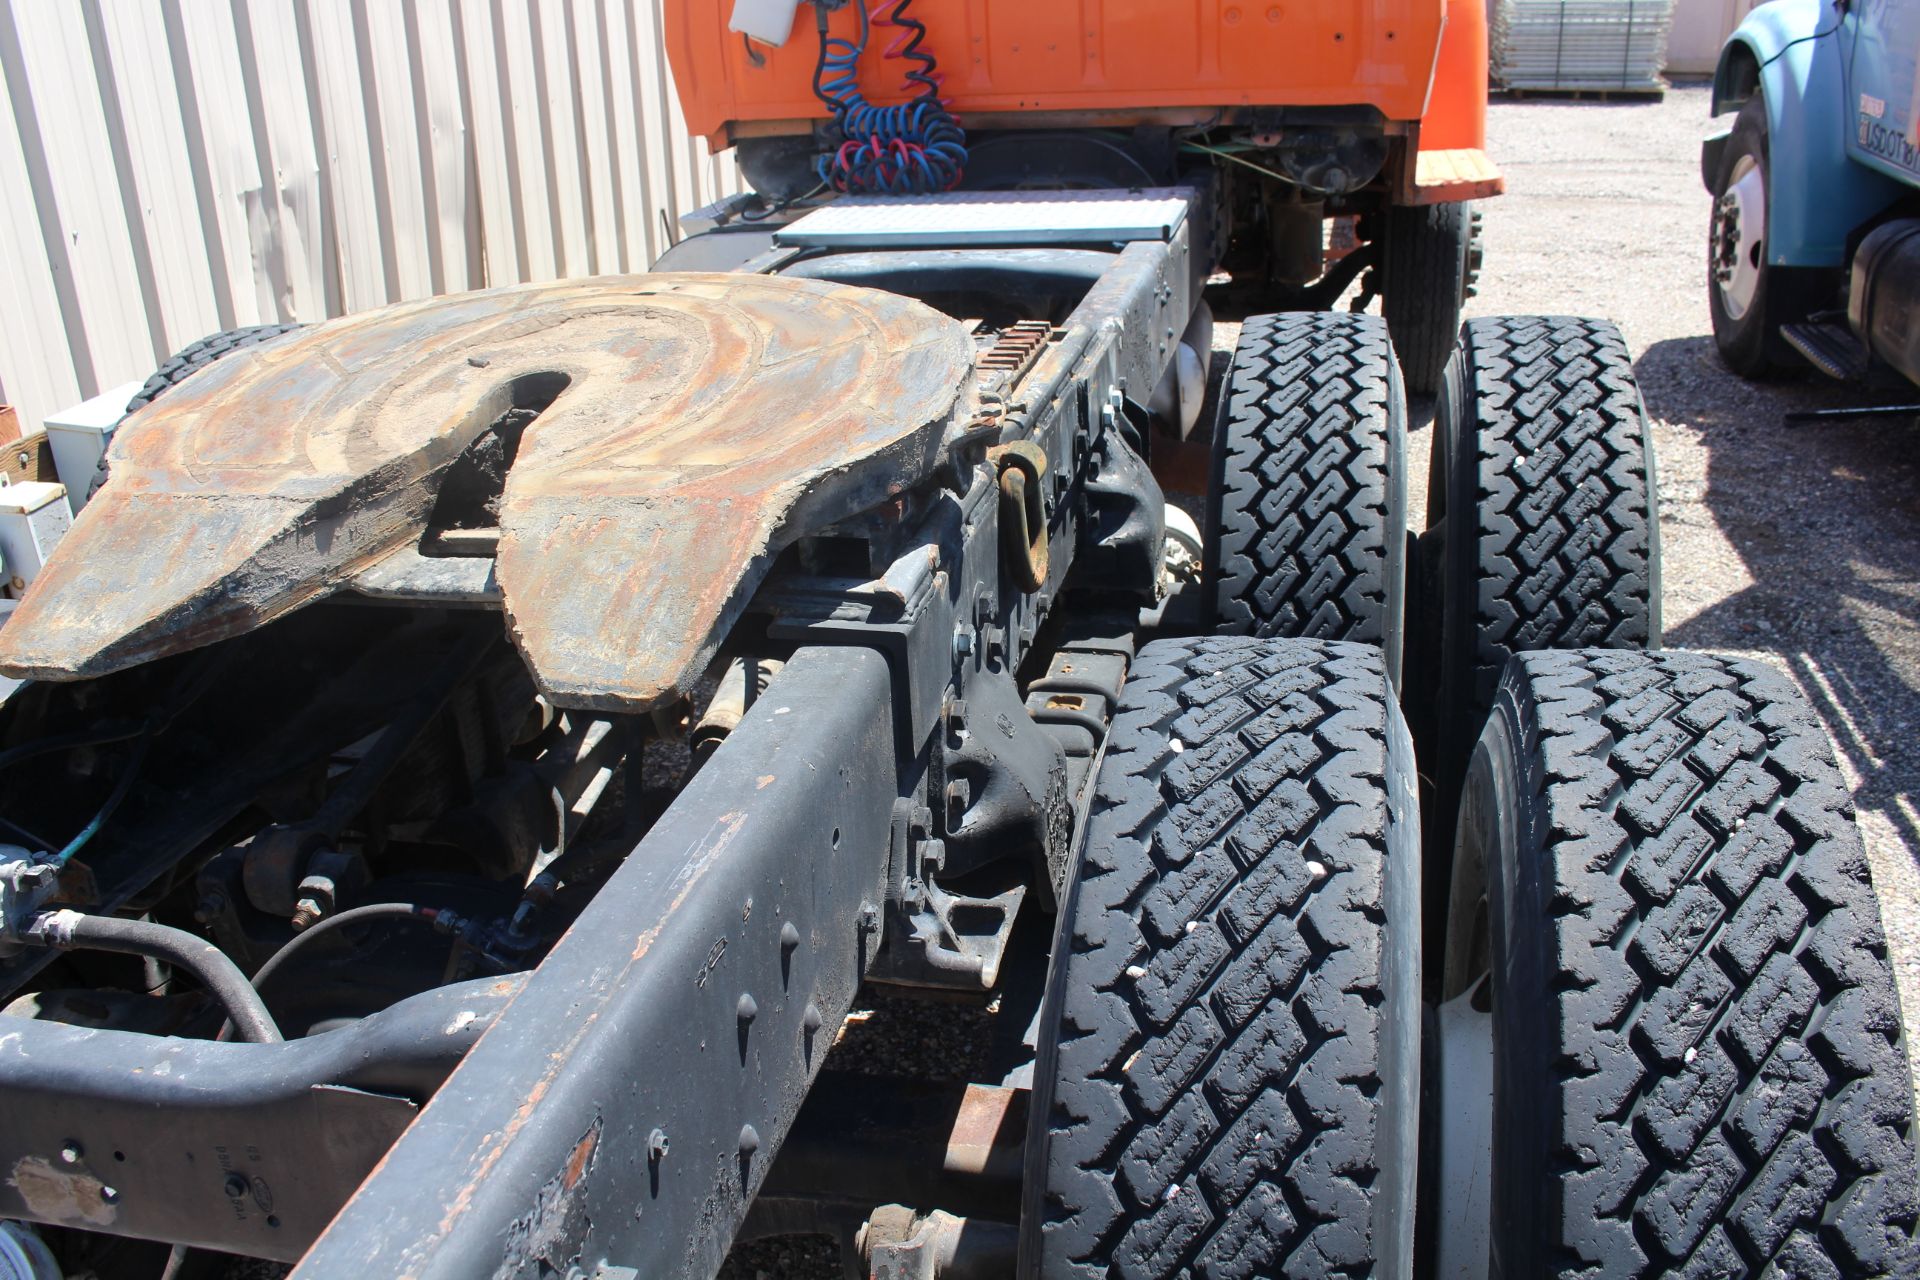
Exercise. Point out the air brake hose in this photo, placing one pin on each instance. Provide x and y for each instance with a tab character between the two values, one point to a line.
128	773
334	923
910	148
187	690
74	931
119	732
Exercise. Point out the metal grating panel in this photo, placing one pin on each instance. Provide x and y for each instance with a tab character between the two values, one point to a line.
1580	44
991	218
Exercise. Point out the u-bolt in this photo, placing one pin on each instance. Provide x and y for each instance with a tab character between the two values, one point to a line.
1023	511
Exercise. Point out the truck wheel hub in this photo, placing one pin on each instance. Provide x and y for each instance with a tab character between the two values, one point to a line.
1739	237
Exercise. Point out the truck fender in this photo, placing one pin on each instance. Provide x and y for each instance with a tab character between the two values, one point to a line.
1790	52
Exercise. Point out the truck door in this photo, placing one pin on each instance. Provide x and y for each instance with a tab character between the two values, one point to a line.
1880	47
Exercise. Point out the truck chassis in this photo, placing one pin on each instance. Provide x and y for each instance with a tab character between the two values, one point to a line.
952	659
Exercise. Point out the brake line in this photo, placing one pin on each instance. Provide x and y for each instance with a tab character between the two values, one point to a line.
66	930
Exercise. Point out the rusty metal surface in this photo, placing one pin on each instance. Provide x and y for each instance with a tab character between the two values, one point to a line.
706	420
145	1135
628	1105
864	1140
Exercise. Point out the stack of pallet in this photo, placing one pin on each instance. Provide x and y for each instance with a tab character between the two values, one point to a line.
1597	46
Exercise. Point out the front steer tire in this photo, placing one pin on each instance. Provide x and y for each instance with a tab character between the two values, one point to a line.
1747	321
1428	265
1307	507
1234	1086
1698	1063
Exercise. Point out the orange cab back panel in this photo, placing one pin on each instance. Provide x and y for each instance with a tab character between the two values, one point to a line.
1075	55
1456	114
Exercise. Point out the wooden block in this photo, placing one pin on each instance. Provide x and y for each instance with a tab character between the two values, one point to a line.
1464	174
26	460
9	424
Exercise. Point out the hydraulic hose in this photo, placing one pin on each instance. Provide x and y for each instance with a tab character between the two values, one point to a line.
73	931
128	773
332	924
84	738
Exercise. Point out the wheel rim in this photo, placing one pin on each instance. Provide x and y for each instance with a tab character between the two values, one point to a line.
1464	1235
1739	237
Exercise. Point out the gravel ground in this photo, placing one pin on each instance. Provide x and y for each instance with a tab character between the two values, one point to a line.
1797	546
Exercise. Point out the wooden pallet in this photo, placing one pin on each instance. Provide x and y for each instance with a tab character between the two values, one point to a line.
1581	95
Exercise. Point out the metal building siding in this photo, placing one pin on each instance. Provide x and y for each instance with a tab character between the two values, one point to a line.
170	169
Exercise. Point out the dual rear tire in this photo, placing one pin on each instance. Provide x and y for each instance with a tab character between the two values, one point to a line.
1307	506
1234	1086
1697	1060
1543	527
1660	903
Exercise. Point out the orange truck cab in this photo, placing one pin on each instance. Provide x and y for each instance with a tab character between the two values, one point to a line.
1307	112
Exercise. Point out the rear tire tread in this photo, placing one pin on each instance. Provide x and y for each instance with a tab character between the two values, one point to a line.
1309	535
1565	548
1228	1085
1712	1040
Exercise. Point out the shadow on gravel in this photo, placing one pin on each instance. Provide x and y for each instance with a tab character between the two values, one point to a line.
1826	520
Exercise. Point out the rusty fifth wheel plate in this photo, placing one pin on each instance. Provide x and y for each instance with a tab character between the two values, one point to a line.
700	423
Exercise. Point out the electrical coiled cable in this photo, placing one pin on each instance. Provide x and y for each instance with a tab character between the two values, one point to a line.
908	148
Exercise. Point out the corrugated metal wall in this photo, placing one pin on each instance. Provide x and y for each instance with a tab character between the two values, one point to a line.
172	168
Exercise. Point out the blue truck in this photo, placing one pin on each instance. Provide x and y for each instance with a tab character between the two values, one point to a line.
1814	250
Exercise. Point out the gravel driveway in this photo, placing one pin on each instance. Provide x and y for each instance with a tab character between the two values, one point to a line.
1797	546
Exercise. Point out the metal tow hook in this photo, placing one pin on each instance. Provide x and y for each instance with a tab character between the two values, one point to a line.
1023	511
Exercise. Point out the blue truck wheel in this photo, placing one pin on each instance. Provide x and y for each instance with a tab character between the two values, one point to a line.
1749	296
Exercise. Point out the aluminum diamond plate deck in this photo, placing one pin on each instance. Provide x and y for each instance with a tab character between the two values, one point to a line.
991	218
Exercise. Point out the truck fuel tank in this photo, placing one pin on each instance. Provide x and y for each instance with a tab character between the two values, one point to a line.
1883	294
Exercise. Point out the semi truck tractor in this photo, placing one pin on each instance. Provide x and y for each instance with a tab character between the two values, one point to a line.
472	756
